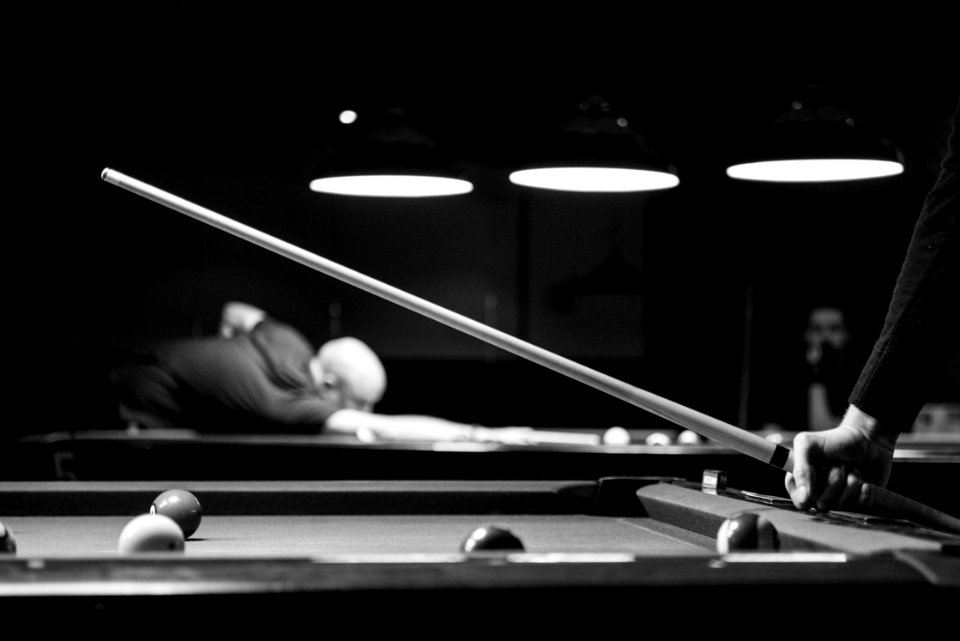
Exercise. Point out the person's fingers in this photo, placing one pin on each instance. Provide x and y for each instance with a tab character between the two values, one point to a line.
865	495
836	483
850	497
790	483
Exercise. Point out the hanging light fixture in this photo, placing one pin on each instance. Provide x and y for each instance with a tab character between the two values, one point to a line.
596	151
815	141
390	159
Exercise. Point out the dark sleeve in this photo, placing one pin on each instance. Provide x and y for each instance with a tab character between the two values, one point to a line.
921	331
226	385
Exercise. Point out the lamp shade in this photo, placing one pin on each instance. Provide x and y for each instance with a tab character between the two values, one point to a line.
390	160
815	141
595	152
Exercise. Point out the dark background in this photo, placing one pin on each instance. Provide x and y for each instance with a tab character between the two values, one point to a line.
230	104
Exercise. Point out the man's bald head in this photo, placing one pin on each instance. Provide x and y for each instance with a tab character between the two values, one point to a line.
349	367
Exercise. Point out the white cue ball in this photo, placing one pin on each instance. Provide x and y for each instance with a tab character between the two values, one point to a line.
150	533
616	436
688	437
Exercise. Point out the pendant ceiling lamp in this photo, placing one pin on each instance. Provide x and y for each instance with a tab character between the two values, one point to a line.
595	151
813	141
388	159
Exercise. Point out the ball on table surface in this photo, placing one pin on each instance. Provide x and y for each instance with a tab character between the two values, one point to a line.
491	538
658	438
181	506
8	543
746	532
150	533
774	436
616	435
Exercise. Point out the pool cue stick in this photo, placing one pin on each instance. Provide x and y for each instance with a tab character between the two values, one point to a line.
879	499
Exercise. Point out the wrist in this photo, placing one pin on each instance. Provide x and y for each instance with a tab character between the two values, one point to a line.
862	422
478	434
468	433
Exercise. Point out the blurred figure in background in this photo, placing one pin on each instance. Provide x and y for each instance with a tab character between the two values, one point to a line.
831	367
810	391
260	375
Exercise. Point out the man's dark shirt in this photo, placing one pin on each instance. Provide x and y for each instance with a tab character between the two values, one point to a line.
256	382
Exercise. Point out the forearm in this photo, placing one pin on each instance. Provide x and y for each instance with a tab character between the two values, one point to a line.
859	421
920	334
407	427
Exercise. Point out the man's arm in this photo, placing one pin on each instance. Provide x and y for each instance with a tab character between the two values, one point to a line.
917	342
368	426
239	318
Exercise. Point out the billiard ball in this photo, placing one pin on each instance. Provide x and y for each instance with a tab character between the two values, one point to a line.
688	437
616	436
747	531
658	438
491	538
181	506
774	436
150	533
8	544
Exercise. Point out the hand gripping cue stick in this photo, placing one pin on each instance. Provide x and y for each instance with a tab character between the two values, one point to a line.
878	500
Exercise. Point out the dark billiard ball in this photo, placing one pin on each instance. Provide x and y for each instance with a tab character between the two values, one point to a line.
8	544
181	506
150	533
491	538
747	531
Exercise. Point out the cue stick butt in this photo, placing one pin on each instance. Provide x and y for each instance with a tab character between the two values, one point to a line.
883	502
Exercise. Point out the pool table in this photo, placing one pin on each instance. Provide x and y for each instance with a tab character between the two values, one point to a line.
384	556
925	466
